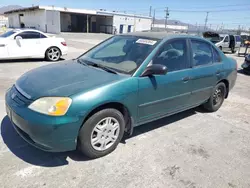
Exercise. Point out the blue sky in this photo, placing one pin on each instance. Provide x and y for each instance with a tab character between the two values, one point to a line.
238	12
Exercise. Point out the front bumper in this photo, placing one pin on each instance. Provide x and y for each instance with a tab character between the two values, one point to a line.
54	134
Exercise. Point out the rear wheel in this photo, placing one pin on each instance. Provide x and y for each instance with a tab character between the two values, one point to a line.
217	98
101	133
53	54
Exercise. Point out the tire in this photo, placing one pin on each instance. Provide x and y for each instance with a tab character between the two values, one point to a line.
220	48
53	54
88	133
211	106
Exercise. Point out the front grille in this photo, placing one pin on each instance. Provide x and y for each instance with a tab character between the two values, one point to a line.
19	99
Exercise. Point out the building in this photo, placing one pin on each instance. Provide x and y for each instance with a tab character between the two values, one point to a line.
177	28
3	20
56	19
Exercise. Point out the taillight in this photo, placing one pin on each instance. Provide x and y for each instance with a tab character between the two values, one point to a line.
64	43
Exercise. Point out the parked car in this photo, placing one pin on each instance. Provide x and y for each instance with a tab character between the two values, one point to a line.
126	81
229	43
30	43
246	65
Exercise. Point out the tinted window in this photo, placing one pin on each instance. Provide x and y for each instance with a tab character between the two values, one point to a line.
31	35
121	53
226	39
173	55
216	56
202	53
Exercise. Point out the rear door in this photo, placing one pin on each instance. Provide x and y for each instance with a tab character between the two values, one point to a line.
207	70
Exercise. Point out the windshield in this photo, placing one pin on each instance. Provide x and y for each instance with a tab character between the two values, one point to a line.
7	34
123	54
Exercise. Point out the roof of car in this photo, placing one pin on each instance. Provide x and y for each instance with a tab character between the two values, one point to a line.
26	29
156	35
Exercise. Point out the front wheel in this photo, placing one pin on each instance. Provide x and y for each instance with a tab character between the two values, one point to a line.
101	133
217	98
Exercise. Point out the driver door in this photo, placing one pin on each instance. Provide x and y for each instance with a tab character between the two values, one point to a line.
160	95
24	47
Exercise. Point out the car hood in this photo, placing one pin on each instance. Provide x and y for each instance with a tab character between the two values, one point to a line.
63	79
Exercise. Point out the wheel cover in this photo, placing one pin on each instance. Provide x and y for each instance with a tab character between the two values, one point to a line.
53	54
105	133
218	96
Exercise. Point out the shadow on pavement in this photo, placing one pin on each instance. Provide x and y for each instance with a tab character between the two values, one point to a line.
26	60
160	123
30	154
37	157
241	71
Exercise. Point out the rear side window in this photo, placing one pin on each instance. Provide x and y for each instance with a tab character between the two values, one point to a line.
216	56
31	35
202	53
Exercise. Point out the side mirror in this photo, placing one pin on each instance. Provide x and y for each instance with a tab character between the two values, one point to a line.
18	38
155	69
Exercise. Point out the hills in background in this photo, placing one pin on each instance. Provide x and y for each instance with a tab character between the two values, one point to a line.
8	8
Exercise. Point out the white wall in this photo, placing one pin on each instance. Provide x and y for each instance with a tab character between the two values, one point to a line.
53	22
177	27
137	23
33	19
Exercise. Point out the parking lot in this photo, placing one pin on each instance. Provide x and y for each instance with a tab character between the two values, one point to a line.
192	149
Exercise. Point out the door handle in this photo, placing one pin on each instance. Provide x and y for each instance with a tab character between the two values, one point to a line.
185	79
218	72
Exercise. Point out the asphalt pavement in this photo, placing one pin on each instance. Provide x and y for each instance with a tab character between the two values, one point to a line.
192	149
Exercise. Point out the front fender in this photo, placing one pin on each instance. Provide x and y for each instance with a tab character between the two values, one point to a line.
123	92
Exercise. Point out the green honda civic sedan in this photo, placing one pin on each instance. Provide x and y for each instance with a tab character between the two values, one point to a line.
88	103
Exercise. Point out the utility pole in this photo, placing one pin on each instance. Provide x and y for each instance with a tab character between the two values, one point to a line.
206	21
153	21
150	11
166	18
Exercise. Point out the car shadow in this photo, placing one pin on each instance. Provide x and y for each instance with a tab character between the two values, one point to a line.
240	71
26	60
34	156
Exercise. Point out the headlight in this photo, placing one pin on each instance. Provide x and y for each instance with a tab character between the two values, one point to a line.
53	106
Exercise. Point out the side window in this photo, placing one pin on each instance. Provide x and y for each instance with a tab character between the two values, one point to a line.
173	55
226	39
42	36
216	56
29	35
202	53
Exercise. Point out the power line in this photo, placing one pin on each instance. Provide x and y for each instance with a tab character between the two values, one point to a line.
195	11
221	6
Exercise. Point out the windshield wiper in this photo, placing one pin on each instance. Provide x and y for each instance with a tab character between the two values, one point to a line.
81	62
100	66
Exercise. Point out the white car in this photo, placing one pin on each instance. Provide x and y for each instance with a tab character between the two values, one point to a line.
30	43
